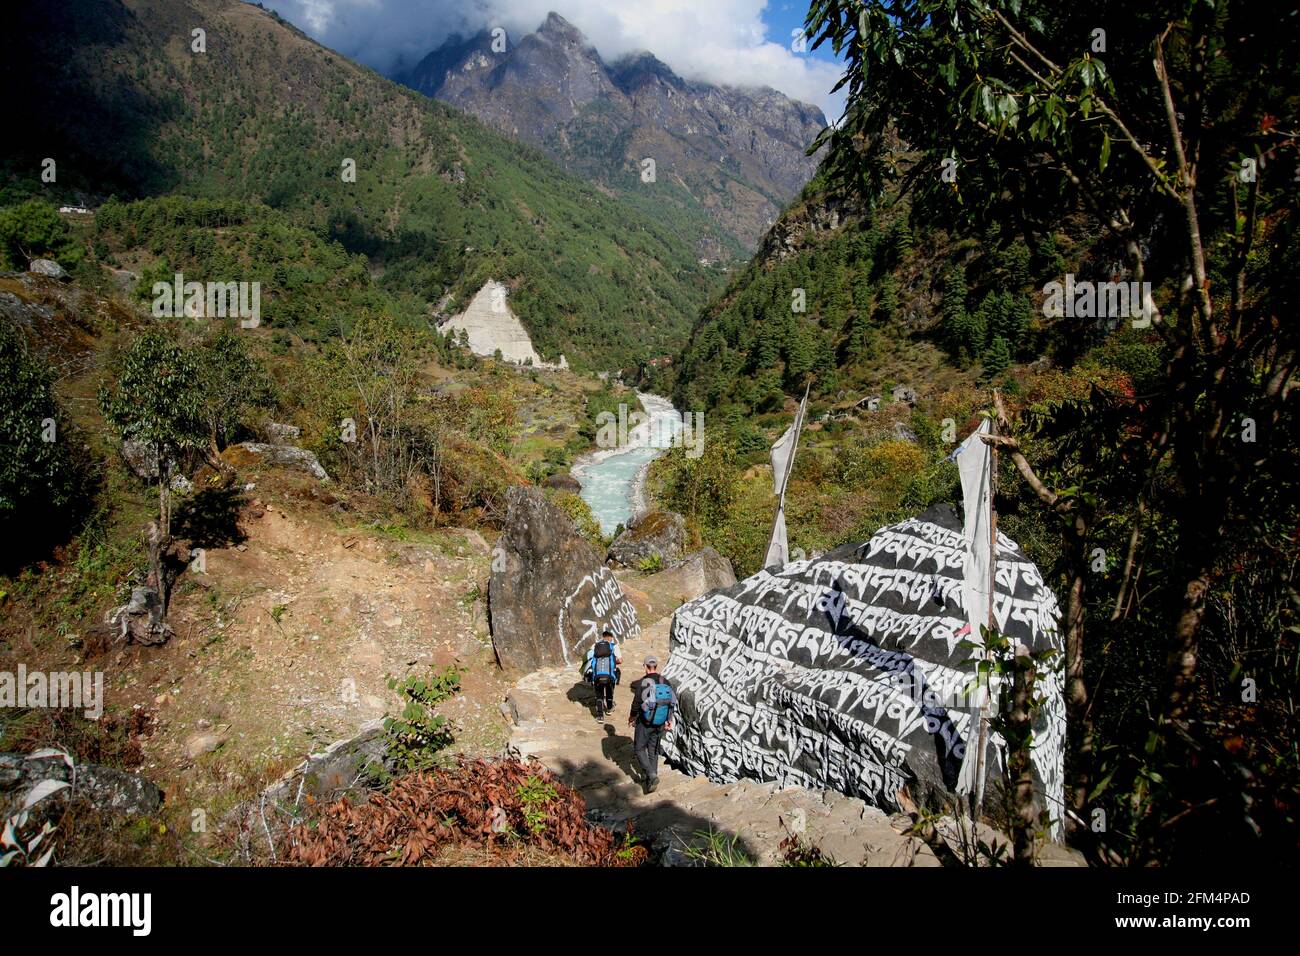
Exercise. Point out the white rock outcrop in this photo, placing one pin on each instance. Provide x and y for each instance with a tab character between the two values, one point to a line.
491	325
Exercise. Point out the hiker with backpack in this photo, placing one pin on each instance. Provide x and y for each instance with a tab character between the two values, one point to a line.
601	670
653	703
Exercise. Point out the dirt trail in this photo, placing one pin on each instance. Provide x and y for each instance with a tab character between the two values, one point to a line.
284	645
554	720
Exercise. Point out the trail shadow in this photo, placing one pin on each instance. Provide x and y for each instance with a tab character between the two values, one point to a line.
618	749
668	827
585	694
210	518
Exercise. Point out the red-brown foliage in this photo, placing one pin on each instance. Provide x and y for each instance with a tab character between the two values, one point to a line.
478	803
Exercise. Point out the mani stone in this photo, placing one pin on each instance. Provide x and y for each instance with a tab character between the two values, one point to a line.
653	534
849	672
549	595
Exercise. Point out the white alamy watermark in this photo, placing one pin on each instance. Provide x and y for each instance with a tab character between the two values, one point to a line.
76	690
660	430
1085	299
209	300
130	910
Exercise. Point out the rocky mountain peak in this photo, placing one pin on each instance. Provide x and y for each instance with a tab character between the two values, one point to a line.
555	27
637	69
727	158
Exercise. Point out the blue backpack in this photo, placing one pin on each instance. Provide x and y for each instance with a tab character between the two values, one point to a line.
603	663
656	702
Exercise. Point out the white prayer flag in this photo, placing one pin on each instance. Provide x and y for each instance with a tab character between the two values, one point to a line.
783	452
974	463
778	549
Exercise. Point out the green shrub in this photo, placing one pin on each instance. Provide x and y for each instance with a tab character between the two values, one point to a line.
417	737
42	481
580	512
35	230
534	795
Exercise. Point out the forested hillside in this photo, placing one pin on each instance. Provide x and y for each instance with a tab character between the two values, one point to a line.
1148	454
264	114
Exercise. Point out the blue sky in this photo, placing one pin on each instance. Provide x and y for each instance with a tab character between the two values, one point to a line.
781	18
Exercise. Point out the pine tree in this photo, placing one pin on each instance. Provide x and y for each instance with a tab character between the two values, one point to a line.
900	241
887	300
997	359
799	355
956	328
859	338
839	304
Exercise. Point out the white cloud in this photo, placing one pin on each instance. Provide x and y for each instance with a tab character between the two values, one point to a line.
719	41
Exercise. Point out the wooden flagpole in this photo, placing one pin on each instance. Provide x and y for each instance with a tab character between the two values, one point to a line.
789	467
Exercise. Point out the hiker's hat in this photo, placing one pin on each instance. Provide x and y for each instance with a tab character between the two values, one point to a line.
652	662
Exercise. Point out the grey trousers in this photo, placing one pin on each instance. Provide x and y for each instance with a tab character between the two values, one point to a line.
645	742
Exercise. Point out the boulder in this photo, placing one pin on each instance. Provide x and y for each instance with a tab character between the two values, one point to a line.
657	595
280	433
203	743
654	534
696	574
336	770
141	458
701	571
900	432
562	482
104	788
549	595
47	267
124	279
848	672
287	456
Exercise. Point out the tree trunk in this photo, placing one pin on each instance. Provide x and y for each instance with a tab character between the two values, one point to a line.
158	548
1076	688
1181	663
1024	817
